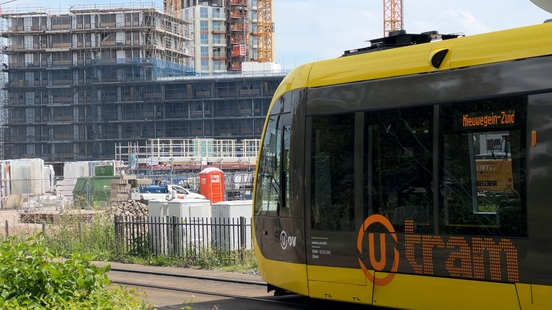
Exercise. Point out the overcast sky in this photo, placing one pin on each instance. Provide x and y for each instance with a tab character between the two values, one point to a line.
310	30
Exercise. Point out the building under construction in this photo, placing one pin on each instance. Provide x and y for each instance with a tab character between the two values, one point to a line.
77	84
229	32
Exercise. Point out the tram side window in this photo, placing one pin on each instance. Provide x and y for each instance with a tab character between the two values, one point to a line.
268	180
398	157
483	168
332	172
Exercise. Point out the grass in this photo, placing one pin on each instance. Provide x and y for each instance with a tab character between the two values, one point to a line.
243	262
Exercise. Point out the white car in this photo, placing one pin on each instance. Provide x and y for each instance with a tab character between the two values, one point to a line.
189	195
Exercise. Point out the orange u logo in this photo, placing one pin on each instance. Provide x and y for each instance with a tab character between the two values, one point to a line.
378	265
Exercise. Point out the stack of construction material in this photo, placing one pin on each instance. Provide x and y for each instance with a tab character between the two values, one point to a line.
129	208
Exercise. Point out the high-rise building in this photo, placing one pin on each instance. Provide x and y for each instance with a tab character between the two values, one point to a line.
225	33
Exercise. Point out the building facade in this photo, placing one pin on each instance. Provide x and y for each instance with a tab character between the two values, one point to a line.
78	83
225	33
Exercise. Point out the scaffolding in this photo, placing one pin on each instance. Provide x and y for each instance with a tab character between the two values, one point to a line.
188	154
80	82
3	99
237	12
181	161
63	68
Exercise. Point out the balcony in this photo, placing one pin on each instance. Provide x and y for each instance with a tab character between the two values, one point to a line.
63	118
203	94
63	136
238	2
238	14
227	94
61	45
249	92
61	27
153	96
39	28
239	27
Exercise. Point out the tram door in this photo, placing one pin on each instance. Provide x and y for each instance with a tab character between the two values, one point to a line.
334	215
369	173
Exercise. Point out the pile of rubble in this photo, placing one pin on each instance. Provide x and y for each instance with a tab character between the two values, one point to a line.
129	208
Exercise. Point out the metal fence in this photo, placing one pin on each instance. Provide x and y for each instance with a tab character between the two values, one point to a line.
189	237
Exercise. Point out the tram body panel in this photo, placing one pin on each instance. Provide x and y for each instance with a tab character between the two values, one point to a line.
530	299
421	292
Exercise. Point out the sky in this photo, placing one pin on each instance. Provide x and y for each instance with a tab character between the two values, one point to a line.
311	30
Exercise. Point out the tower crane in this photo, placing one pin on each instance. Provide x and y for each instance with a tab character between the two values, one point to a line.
393	17
264	30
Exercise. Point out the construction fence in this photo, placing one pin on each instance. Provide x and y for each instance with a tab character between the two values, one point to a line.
186	237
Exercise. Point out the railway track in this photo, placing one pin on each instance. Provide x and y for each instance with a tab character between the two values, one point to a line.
245	294
219	287
184	276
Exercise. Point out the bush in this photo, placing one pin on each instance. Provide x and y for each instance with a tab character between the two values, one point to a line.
31	279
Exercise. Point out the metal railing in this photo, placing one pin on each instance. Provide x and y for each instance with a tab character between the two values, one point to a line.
187	237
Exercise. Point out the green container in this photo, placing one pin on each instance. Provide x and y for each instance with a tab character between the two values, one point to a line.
104	171
93	190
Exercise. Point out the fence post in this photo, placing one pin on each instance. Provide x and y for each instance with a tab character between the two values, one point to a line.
44	227
242	236
7	230
174	235
115	225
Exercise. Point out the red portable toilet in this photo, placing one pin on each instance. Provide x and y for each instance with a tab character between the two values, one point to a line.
211	184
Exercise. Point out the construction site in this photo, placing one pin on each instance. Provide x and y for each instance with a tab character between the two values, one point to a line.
78	83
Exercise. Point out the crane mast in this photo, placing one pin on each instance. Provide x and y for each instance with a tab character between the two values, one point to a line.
264	30
392	16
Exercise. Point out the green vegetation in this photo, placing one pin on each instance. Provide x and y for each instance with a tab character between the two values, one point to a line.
30	278
208	259
54	270
97	239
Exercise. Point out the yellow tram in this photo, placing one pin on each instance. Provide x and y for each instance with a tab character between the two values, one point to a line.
371	186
